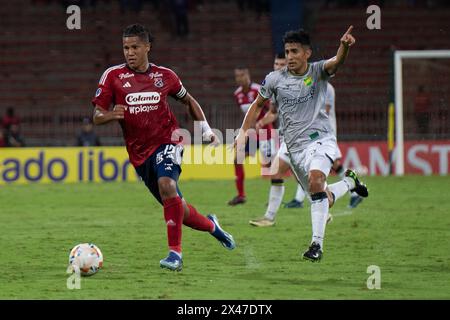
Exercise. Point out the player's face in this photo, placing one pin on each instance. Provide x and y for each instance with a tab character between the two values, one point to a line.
242	77
297	56
136	53
279	64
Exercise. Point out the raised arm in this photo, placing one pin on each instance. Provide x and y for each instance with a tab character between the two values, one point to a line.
333	64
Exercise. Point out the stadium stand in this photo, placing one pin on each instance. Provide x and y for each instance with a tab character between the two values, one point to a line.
49	73
363	87
60	68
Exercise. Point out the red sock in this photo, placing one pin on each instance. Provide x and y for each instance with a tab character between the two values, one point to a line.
239	172
173	214
197	221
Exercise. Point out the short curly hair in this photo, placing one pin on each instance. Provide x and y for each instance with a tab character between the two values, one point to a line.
138	30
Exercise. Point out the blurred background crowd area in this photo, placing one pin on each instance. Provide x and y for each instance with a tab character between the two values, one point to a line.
50	73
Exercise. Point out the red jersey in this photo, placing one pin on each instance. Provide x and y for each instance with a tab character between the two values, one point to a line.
245	99
8	121
148	121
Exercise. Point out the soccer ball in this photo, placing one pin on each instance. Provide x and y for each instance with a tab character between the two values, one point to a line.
85	258
362	170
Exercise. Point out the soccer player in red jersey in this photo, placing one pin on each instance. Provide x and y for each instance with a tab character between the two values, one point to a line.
244	95
138	90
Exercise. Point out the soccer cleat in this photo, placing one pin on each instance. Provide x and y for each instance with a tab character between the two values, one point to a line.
237	200
224	237
172	262
314	253
359	188
262	222
355	201
294	204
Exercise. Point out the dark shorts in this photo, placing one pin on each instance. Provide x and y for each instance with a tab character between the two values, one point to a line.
164	162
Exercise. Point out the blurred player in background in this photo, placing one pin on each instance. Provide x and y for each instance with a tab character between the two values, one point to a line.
244	95
139	91
280	164
300	91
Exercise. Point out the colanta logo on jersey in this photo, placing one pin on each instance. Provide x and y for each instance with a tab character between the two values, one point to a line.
141	98
142	102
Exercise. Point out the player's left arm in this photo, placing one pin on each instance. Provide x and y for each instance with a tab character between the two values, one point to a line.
333	64
196	112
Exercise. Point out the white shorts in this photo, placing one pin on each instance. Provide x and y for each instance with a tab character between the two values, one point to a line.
318	155
283	153
338	153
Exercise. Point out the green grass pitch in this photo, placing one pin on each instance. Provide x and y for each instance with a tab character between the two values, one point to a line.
403	227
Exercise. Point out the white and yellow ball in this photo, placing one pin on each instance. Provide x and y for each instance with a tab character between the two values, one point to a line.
86	258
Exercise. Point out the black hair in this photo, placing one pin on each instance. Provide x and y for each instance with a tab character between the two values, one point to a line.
138	30
280	55
297	36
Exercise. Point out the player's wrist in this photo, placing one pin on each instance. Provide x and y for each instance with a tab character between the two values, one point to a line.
206	129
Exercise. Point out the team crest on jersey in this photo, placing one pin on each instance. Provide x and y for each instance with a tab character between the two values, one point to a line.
308	81
98	92
159	82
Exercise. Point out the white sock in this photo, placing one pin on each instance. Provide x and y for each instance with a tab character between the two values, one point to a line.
350	182
319	215
275	197
300	194
339	189
353	194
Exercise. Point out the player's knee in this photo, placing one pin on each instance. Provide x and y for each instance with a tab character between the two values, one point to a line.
277	176
280	168
167	188
316	184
